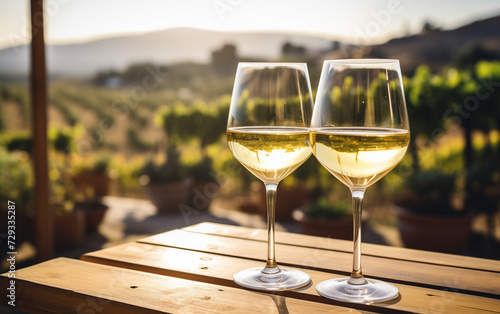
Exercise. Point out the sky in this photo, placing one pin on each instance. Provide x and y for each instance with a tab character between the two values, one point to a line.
369	21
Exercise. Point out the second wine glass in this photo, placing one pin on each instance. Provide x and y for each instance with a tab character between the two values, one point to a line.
268	133
359	132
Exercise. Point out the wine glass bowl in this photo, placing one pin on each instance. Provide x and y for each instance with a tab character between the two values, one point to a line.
359	132
268	133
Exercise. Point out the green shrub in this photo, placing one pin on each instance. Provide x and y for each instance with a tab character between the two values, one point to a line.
169	170
17	141
16	179
323	208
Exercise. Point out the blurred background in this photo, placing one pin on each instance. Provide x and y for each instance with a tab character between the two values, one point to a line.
138	95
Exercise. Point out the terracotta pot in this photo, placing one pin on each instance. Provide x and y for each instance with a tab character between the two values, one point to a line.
288	198
94	213
331	228
25	226
69	229
246	205
99	183
203	193
169	195
433	233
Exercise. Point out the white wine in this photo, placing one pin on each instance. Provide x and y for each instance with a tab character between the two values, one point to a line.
359	156
270	153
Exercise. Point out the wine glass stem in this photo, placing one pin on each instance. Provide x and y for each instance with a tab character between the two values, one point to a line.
271	265
357	207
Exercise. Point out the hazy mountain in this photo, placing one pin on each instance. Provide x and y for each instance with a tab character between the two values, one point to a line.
434	47
167	46
437	48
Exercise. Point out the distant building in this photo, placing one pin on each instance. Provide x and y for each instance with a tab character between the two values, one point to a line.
225	60
113	82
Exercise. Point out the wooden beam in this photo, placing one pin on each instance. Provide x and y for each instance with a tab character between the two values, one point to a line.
44	217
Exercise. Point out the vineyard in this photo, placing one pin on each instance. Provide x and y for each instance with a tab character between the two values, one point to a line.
454	118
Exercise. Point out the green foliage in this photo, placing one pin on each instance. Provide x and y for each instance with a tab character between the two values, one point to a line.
435	100
429	192
127	172
20	95
471	53
2	122
323	208
16	179
62	138
62	190
96	164
468	98
484	180
90	98
169	170
18	140
257	110
361	100
488	69
424	94
136	142
198	121
102	164
200	171
64	107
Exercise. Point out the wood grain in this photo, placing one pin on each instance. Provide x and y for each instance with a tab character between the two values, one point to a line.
65	286
313	258
191	270
346	246
219	269
44	223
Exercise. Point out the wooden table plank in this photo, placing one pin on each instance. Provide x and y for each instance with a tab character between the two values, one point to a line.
346	246
64	285
313	258
219	269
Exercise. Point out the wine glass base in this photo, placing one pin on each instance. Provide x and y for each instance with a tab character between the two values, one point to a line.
283	279
370	292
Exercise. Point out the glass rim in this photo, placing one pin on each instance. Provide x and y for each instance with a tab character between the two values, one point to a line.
271	64
362	61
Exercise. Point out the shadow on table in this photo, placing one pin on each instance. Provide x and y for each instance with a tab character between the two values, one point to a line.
168	221
482	246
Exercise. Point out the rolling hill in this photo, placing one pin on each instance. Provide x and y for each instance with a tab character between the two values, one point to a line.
167	46
434	47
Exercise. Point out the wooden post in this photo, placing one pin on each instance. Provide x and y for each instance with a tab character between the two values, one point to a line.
44	216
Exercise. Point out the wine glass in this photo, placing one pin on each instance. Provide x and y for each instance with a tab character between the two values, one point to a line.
359	132
268	133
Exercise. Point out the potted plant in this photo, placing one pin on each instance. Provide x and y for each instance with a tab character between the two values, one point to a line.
94	211
16	185
483	190
326	218
69	225
91	181
426	216
92	175
69	220
166	183
205	187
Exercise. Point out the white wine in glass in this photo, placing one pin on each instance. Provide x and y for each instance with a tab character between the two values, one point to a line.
270	153
359	132
268	133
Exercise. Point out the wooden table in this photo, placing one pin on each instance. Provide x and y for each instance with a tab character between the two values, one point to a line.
190	271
